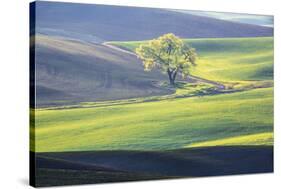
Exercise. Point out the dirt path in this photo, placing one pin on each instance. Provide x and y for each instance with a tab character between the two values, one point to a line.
218	85
118	49
198	79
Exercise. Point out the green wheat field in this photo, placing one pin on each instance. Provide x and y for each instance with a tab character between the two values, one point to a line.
196	115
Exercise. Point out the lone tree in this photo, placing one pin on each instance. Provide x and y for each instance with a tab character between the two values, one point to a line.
168	53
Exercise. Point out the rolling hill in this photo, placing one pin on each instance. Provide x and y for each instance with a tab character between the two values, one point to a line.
232	61
115	166
94	73
106	23
124	121
161	125
97	72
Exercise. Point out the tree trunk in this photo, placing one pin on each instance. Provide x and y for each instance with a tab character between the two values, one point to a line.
171	77
174	76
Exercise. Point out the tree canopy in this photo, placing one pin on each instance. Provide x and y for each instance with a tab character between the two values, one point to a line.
169	54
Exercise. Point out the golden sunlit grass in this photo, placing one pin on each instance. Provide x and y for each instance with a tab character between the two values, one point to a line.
252	139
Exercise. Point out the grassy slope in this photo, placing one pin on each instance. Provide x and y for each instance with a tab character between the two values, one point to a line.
176	123
234	60
162	125
252	139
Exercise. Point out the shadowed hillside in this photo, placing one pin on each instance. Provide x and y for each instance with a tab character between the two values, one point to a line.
94	72
113	166
100	22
